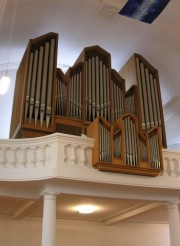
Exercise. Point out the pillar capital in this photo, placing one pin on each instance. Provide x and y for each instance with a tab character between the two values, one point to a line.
172	205
49	195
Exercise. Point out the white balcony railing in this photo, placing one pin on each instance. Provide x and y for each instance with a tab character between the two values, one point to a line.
70	157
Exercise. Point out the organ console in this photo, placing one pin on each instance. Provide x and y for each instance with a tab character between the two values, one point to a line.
91	98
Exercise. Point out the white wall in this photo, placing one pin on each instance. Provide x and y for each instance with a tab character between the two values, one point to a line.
28	232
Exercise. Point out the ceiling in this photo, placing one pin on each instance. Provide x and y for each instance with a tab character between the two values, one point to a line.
83	23
108	211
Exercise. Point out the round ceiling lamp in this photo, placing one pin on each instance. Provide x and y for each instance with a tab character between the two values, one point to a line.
85	209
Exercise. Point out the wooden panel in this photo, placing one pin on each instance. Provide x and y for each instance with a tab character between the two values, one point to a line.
19	95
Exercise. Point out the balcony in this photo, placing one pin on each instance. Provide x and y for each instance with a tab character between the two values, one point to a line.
70	157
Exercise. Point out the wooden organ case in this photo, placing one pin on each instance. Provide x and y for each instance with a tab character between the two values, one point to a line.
33	106
139	73
91	98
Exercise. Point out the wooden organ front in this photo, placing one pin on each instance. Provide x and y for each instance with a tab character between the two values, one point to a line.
33	106
91	98
140	73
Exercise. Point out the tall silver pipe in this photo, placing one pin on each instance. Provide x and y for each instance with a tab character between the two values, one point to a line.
108	95
90	88
97	87
50	82
153	100
93	89
28	84
105	91
87	86
149	98
146	110
101	88
140	94
38	86
80	97
33	85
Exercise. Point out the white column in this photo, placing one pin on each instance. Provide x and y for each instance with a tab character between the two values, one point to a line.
174	223
49	220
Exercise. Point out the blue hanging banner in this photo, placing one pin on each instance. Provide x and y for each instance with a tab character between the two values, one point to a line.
143	10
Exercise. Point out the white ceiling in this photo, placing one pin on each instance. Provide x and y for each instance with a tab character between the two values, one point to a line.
83	23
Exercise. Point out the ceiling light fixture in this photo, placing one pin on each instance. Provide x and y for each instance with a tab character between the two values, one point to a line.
4	84
5	80
85	209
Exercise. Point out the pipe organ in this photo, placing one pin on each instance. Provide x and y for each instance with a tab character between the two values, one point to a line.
97	83
119	147
137	71
33	111
91	98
